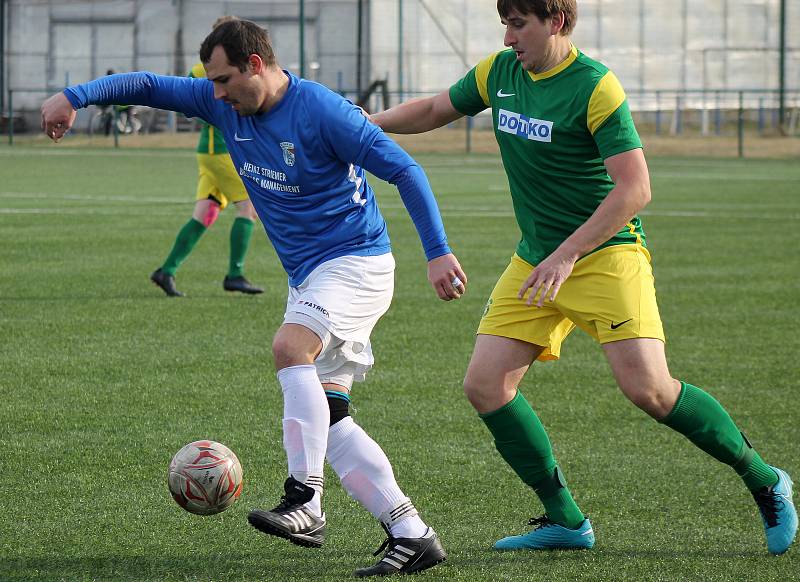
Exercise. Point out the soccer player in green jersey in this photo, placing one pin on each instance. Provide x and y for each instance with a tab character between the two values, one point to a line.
578	178
218	183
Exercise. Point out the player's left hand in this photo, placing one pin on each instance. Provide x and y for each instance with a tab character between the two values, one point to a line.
547	278
57	116
447	277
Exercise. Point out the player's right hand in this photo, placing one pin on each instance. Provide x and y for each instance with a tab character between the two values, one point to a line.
447	277
57	116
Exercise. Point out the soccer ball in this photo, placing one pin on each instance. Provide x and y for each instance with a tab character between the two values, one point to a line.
205	477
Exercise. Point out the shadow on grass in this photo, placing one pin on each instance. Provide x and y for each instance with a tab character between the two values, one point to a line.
155	295
688	554
288	563
284	564
601	554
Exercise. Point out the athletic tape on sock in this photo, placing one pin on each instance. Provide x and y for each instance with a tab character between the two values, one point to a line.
550	486
745	457
339	404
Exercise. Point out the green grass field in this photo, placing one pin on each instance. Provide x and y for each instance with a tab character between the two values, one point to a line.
103	378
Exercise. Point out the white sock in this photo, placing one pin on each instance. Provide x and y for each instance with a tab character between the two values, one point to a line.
411	527
366	474
315	505
306	417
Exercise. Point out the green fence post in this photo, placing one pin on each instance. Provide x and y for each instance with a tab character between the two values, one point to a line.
115	123
469	134
741	124
302	32
10	117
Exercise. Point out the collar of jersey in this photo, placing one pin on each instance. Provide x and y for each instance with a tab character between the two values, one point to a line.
573	54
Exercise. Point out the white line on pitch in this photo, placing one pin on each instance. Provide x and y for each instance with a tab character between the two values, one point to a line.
86	153
63	211
461	212
494	212
85	198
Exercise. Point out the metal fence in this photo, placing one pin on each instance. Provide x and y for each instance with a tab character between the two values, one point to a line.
710	112
742	114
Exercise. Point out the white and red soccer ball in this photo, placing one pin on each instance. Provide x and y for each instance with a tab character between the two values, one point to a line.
205	477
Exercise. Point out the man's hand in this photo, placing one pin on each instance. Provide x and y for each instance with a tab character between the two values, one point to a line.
447	277
57	116
547	277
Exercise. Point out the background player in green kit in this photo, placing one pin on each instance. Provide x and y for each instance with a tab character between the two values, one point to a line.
578	178
218	184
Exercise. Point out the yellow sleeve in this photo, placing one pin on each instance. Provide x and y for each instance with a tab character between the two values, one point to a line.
606	98
482	76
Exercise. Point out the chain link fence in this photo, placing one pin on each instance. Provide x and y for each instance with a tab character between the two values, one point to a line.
691	67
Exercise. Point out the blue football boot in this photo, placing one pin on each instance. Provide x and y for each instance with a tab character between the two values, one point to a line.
778	512
548	535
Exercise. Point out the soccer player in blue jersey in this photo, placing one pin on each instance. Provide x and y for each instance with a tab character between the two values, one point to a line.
302	152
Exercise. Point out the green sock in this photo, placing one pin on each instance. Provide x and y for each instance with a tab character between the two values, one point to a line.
184	243
241	231
703	420
522	441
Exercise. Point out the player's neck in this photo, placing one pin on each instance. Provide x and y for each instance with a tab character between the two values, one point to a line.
276	82
556	53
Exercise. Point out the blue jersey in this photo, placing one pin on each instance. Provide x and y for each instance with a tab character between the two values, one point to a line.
302	163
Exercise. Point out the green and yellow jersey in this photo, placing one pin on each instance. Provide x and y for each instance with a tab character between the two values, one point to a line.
211	140
554	130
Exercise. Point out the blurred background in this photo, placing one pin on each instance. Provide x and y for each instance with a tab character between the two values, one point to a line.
691	68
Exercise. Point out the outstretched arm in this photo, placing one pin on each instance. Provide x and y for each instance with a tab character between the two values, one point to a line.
418	115
192	97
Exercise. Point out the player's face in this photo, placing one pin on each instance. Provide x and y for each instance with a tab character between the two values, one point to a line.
530	37
242	90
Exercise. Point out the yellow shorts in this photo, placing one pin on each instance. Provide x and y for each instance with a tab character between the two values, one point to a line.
610	295
219	179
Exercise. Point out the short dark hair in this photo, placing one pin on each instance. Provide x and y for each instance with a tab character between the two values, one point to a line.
543	9
240	39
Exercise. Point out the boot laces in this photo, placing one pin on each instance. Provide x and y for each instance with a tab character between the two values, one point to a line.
389	540
541	521
769	504
286	504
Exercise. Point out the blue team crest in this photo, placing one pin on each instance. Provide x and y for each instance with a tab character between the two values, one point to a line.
288	152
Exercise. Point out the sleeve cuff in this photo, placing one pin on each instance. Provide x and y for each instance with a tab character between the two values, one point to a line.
73	99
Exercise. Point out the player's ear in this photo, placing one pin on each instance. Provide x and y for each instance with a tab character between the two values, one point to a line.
256	63
557	21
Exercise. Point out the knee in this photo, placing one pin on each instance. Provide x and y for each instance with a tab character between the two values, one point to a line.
472	389
486	395
281	351
207	214
245	209
656	399
287	353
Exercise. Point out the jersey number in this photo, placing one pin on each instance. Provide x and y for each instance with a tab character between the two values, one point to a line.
358	181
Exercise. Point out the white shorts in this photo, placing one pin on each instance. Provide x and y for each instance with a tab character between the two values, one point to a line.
341	301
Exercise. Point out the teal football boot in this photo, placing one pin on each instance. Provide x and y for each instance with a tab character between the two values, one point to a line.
778	512
548	535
